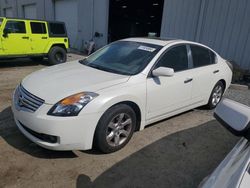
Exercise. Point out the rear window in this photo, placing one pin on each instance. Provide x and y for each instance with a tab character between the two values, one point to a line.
57	29
38	28
1	21
202	56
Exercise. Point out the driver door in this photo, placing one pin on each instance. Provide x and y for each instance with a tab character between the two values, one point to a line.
165	95
15	40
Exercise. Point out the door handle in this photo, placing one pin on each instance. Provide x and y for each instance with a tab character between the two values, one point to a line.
216	71
188	80
25	37
44	37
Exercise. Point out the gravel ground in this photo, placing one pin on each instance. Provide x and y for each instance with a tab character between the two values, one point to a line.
177	152
239	96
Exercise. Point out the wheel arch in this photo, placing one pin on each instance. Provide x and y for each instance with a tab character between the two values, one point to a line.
134	105
62	45
59	45
136	109
224	83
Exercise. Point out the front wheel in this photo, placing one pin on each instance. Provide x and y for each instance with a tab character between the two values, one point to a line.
216	95
57	55
115	128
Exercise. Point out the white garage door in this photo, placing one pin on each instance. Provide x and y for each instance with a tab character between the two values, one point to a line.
29	11
8	12
66	11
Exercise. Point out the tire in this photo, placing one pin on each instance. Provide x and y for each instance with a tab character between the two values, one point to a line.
112	133
57	55
36	59
216	95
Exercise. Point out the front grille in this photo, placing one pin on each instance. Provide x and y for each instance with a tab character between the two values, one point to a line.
44	137
26	101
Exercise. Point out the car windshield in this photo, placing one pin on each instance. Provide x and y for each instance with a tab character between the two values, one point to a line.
123	57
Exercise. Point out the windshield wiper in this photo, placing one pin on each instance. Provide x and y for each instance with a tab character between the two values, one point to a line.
83	61
106	69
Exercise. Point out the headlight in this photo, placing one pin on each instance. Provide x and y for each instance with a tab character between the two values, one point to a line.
72	105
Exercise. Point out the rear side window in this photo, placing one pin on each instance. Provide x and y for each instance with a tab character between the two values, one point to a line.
38	28
15	27
57	29
202	56
175	58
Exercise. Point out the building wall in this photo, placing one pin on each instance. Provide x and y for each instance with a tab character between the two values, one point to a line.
92	17
223	25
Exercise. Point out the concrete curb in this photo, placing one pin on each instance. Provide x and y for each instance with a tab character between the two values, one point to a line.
238	87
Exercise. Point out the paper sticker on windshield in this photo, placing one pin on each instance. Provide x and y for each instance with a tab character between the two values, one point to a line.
146	48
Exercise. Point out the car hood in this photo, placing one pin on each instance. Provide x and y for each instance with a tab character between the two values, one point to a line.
57	82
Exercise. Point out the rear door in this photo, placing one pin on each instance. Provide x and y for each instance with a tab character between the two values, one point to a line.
38	37
205	71
17	41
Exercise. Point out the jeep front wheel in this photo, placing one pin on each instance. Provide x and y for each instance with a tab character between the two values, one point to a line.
57	55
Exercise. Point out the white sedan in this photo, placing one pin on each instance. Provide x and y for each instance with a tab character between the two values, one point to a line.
123	87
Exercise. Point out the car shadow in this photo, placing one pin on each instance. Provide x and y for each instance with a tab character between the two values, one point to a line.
180	160
10	133
21	62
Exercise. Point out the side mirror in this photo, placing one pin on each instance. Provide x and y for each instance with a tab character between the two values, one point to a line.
234	116
6	32
163	71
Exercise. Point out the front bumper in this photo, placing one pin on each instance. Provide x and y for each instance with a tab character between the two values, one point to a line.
58	133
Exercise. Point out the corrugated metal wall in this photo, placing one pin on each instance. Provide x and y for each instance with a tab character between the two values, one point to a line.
223	25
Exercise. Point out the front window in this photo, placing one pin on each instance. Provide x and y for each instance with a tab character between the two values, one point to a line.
175	58
15	27
123	57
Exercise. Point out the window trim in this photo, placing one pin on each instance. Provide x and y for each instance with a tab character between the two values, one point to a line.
163	53
210	51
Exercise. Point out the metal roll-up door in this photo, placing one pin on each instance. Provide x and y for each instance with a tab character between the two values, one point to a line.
66	11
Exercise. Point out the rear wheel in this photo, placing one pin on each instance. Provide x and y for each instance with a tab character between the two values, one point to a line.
216	95
115	128
57	55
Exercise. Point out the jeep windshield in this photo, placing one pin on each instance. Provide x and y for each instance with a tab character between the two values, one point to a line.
1	21
123	57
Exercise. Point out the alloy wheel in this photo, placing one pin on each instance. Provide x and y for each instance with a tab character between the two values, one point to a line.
217	95
119	129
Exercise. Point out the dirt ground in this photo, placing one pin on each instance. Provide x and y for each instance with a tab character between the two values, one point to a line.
177	152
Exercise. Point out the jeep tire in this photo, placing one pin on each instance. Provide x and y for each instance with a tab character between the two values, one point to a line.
57	55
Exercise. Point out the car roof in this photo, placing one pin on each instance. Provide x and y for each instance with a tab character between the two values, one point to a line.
153	40
165	41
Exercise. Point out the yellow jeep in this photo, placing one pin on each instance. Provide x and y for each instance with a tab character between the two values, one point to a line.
35	39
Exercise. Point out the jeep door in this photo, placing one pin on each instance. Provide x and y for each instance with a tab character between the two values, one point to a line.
38	36
15	40
1	33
